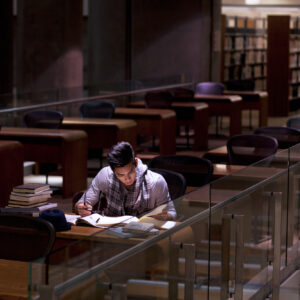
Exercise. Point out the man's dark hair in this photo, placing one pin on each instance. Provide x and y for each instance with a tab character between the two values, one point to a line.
120	155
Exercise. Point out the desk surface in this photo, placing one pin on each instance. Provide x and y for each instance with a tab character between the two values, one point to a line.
104	133
217	98
188	104
149	113
246	93
41	132
67	147
97	234
222	151
98	122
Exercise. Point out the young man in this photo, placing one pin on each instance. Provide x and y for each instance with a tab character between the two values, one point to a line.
127	186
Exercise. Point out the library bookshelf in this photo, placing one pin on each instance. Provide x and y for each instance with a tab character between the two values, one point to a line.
244	53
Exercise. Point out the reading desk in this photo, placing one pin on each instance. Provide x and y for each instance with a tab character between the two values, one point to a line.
153	122
66	147
189	114
254	100
103	133
220	154
225	105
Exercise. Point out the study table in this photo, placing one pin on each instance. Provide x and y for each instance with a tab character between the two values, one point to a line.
189	114
224	105
219	191
66	147
103	133
254	100
153	122
220	154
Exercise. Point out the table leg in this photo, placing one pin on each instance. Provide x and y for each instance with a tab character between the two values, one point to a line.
74	165
235	115
201	120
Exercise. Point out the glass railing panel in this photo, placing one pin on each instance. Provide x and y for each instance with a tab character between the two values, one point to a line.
173	265
237	248
36	275
103	243
242	221
242	232
133	88
13	107
293	212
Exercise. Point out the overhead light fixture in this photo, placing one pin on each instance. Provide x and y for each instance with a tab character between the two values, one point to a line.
252	2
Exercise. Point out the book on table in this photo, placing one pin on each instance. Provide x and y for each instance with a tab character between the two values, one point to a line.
31	188
25	204
98	220
30	196
28	200
32	211
118	232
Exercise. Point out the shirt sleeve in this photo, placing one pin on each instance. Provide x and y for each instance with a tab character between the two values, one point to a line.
160	195
99	183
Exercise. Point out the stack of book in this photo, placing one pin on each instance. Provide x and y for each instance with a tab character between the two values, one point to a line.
29	197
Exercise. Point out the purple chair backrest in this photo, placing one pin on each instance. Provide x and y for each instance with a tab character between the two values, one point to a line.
286	136
246	149
182	93
293	122
43	119
97	109
196	170
158	99
209	88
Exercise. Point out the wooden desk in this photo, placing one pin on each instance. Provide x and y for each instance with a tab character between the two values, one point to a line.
69	148
104	133
14	276
191	114
222	105
220	154
153	122
254	100
12	169
217	155
223	190
222	170
195	115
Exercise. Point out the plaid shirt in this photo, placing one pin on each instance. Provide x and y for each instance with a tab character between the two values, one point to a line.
149	191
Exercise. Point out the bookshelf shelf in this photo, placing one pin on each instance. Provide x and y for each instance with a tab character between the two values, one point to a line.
244	54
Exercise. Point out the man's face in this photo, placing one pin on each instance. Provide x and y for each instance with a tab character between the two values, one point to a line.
126	174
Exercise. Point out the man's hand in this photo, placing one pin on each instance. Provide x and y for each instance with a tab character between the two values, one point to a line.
83	209
163	216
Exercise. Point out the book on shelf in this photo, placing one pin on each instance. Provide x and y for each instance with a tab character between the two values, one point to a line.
98	220
31	188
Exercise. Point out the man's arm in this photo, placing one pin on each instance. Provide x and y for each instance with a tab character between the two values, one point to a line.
91	196
160	195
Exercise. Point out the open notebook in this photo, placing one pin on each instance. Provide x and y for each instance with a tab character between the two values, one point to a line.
98	220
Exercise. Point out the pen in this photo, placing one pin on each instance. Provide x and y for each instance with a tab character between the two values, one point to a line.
84	202
97	220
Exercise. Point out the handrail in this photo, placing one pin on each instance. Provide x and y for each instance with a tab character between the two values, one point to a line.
98	97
